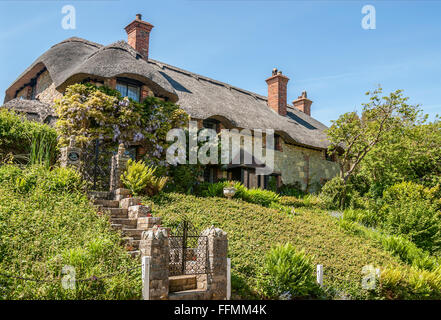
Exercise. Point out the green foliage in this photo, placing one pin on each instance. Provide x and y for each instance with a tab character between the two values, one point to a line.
140	178
355	136
257	196
413	211
410	283
261	197
88	113
409	153
292	190
52	225
287	272
38	176
367	218
308	201
27	141
253	230
184	178
409	252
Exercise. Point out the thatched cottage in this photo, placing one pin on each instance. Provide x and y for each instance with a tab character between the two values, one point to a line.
300	148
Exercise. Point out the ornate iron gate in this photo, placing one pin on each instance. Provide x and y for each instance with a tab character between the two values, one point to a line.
97	160
188	251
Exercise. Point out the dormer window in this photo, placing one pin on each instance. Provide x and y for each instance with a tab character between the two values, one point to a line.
129	89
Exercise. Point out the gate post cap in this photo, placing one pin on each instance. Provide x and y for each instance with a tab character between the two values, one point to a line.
214	232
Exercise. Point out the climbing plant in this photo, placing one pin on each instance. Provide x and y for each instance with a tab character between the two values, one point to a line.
87	113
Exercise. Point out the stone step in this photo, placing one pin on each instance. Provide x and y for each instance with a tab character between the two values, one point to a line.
134	233
103	195
130	243
128	223
182	283
116	226
116	212
198	294
106	203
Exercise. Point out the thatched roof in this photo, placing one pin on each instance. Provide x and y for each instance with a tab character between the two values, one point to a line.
32	109
202	97
74	59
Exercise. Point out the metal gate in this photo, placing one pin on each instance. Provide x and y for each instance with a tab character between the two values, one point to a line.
188	251
97	160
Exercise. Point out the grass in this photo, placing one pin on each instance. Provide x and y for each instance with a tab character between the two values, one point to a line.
46	223
253	230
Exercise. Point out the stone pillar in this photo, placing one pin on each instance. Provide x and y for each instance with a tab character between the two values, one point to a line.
155	244
119	165
217	262
71	156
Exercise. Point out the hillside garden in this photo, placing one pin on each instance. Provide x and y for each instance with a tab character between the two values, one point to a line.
382	211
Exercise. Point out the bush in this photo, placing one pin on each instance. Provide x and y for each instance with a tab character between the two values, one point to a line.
335	193
308	201
367	218
140	178
409	253
413	211
27	141
292	190
261	197
287	273
39	177
51	226
410	283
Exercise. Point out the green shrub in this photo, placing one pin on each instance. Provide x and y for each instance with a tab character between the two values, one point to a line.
293	190
367	218
409	253
261	197
53	225
27	141
308	201
410	283
287	273
140	178
335	193
350	227
413	211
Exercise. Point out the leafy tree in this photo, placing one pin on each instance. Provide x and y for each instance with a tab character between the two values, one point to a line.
356	136
408	153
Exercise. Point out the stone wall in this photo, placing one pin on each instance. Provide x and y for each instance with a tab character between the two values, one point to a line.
303	165
212	285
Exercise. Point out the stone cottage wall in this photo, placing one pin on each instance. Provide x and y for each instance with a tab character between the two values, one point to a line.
298	164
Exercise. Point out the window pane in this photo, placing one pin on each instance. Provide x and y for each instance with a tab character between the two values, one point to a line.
133	93
122	88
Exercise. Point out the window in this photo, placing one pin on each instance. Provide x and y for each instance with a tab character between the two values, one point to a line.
211	124
128	90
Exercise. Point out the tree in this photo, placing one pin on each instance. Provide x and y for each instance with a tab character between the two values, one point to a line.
354	137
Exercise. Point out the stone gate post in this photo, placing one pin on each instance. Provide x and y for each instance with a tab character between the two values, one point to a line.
119	165
217	262
155	244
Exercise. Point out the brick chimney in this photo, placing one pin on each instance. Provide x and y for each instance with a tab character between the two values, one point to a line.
138	35
277	84
303	103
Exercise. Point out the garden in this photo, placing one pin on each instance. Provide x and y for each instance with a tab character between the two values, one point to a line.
383	210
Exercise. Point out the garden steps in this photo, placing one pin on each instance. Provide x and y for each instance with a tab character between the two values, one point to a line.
134	233
197	294
116	212
128	223
106	203
182	283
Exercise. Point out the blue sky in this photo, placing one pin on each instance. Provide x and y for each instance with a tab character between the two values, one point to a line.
319	45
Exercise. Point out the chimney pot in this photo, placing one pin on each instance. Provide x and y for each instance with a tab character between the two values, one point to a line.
138	16
277	96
